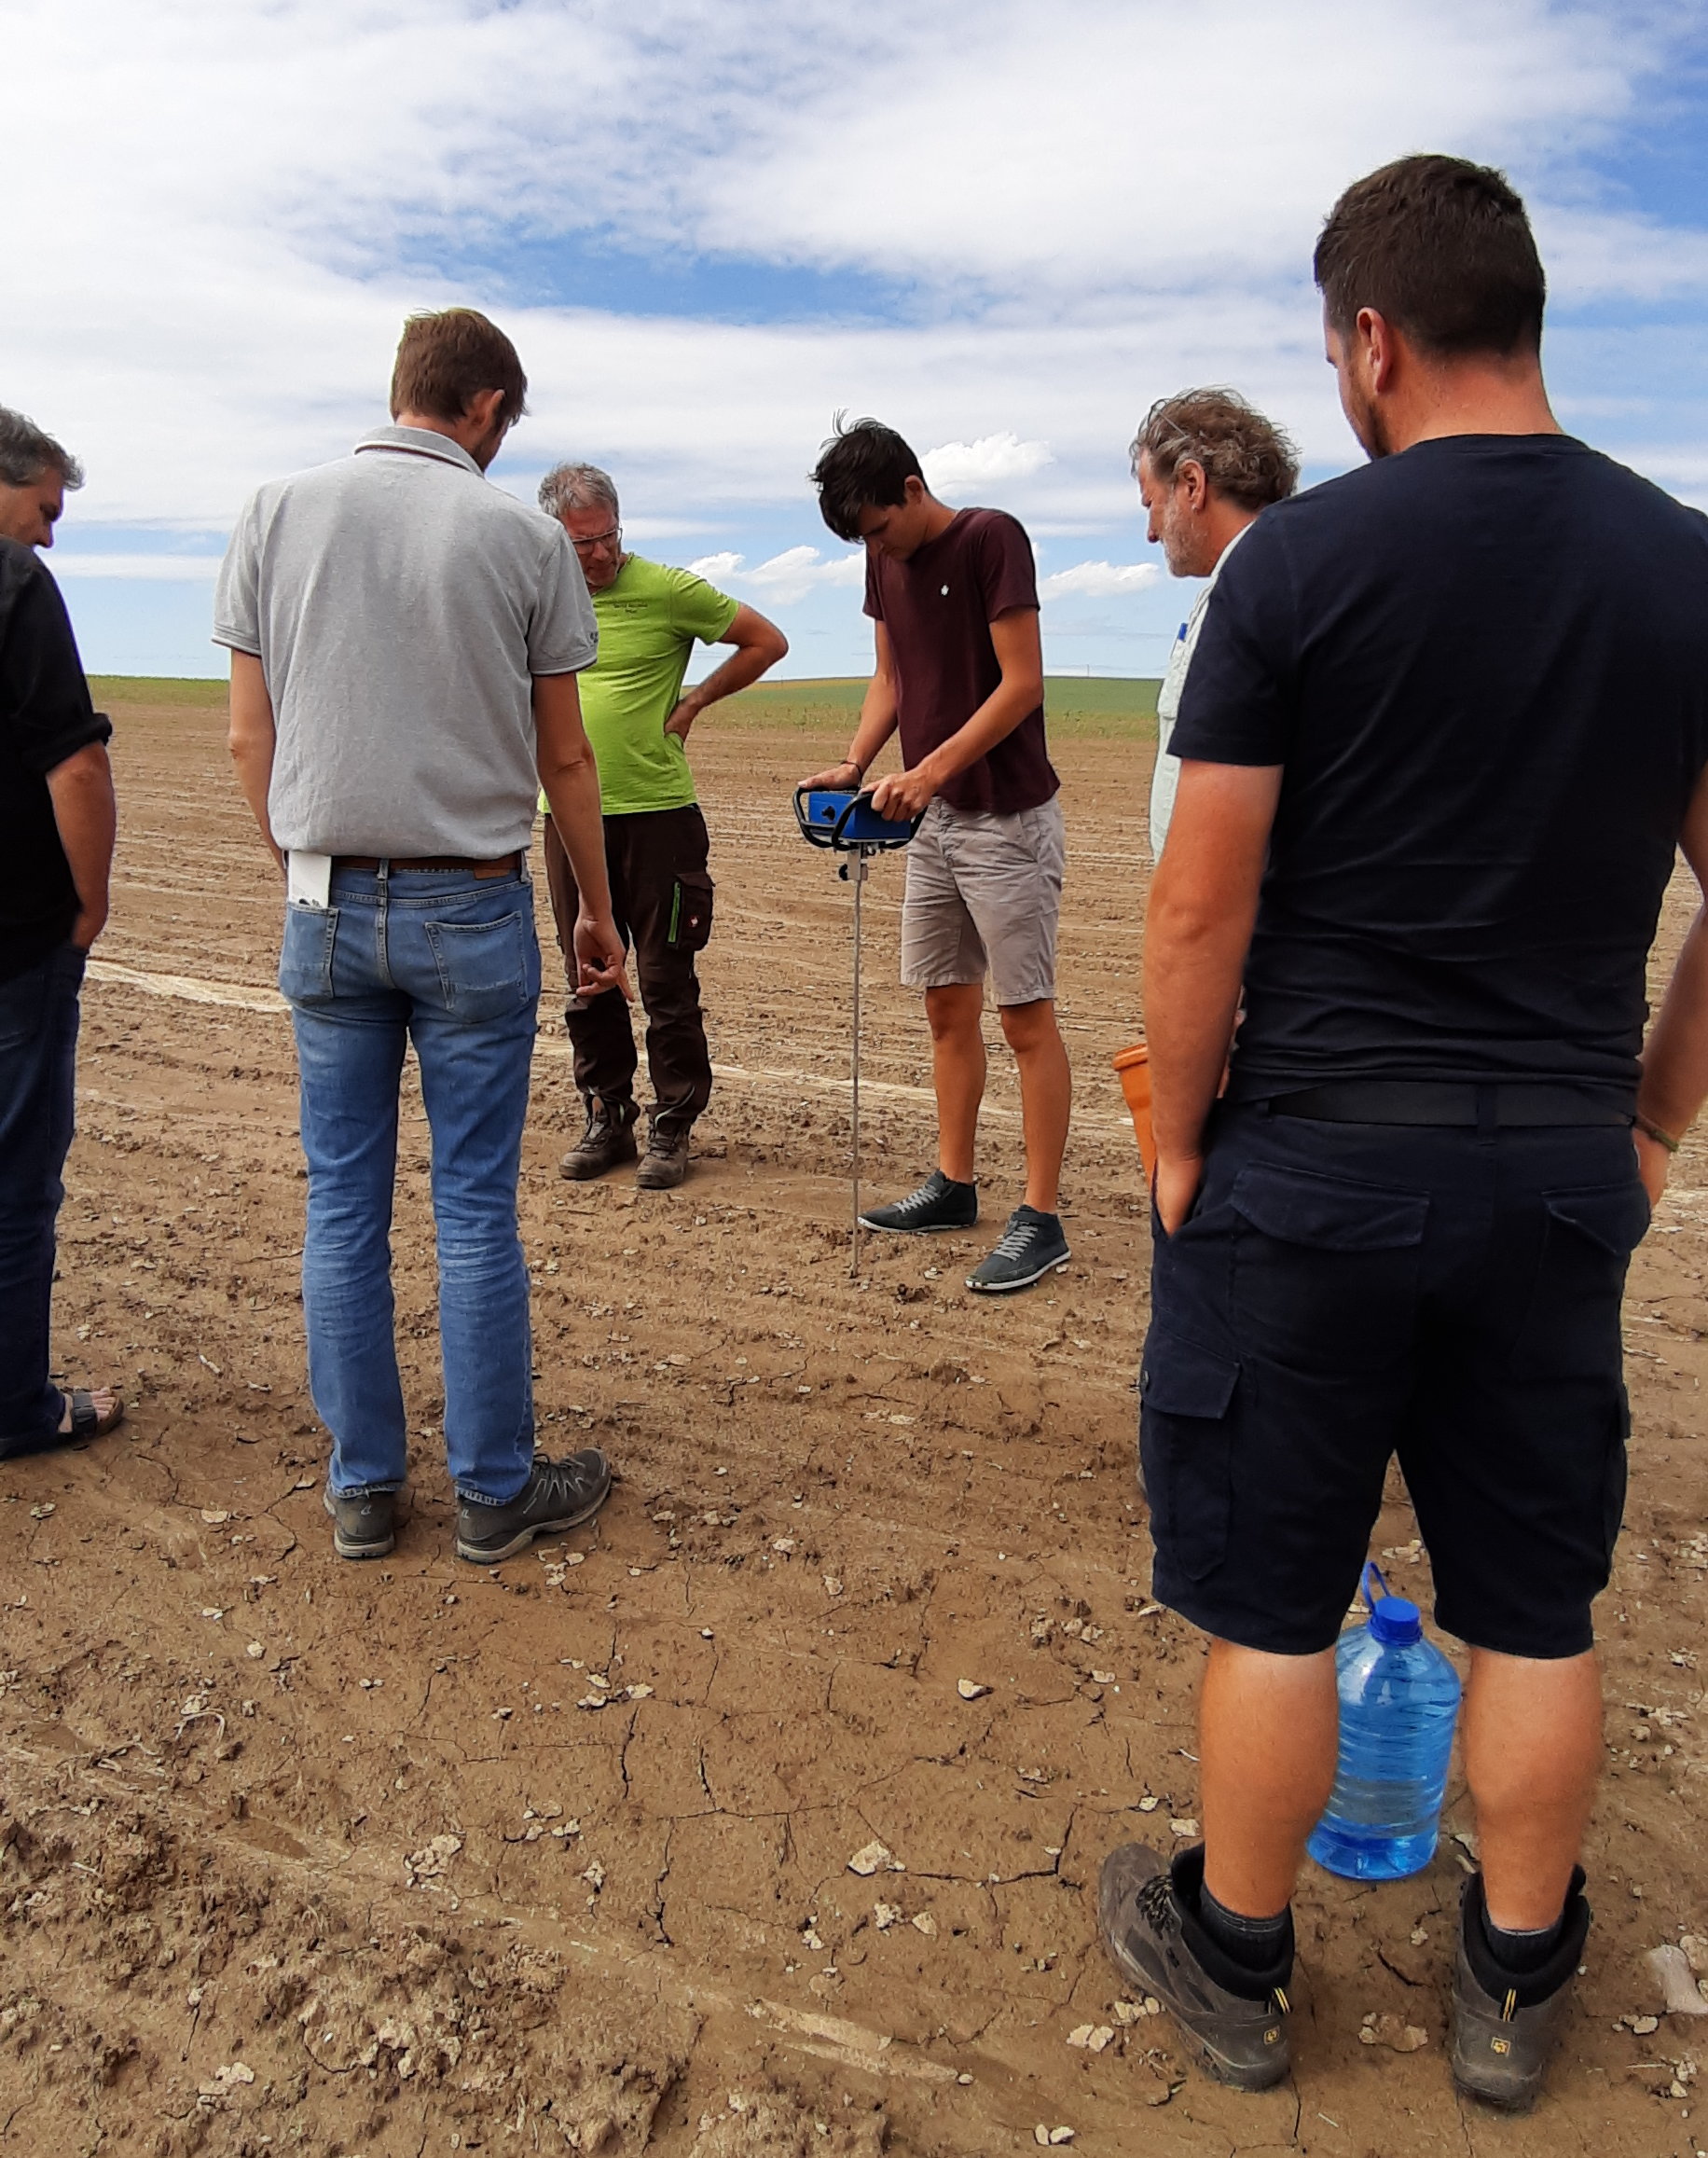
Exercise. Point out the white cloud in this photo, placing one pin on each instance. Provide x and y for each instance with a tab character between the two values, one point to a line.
149	568
1098	580
786	578
955	470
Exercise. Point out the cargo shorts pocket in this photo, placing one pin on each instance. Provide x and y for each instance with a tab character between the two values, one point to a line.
1186	1442
1571	1328
1325	1271
691	911
304	955
487	969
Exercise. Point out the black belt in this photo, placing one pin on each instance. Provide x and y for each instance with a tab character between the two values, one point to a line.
432	864
1478	1105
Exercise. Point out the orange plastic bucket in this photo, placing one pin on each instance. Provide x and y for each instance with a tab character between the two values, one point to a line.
1133	1065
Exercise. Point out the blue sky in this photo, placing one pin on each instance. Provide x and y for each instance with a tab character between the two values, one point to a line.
1004	227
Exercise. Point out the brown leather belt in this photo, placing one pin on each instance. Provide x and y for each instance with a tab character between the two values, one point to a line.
506	865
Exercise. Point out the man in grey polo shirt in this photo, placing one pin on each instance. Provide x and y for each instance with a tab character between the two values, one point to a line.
404	641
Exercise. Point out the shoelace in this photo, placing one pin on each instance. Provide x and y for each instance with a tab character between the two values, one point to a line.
1012	1242
918	1202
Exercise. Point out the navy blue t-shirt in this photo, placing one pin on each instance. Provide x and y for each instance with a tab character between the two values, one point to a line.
1483	665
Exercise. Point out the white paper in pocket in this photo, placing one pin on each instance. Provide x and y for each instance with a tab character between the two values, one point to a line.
308	879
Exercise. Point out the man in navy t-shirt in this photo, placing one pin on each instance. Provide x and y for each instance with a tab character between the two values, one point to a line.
1446	726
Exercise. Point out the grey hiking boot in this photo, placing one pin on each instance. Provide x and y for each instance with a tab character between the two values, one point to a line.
665	1163
1030	1247
940	1203
1236	2019
1504	2024
609	1140
364	1525
558	1495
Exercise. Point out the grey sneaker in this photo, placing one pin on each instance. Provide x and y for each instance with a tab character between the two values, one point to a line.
939	1203
665	1163
1147	1913
557	1496
608	1141
1504	2024
364	1525
1030	1247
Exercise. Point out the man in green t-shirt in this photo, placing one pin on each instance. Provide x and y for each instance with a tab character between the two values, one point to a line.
638	716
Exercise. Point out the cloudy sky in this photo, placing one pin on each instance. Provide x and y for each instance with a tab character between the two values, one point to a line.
1004	226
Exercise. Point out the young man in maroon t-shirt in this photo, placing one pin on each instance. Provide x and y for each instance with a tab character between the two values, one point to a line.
953	595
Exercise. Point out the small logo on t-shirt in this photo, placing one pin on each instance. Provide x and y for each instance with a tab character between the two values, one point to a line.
945	591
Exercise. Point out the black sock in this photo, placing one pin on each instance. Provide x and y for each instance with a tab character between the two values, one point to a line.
1255	1943
1524	1952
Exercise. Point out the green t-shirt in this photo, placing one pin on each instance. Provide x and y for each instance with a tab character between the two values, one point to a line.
649	617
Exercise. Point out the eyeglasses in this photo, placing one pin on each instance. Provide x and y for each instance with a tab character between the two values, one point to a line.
599	539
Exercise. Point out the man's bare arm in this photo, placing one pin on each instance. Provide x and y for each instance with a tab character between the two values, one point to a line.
759	644
1203	901
251	737
564	758
877	719
1019	650
83	809
1675	1055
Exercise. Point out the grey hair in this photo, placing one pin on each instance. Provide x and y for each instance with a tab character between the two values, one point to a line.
25	452
1243	455
577	487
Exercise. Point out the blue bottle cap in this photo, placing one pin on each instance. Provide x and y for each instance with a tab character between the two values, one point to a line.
1396	1622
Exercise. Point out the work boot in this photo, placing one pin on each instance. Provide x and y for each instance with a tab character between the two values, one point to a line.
1236	2019
558	1495
364	1524
1505	2023
665	1163
609	1138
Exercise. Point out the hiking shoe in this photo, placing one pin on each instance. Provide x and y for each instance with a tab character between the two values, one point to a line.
1028	1250
1504	2024
557	1496
1235	2018
665	1163
940	1203
609	1140
363	1523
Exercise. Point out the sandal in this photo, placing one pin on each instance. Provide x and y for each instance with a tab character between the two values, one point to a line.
86	1421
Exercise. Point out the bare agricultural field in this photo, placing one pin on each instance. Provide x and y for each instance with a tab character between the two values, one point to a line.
300	1856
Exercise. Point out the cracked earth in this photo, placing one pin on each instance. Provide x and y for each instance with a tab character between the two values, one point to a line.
300	1856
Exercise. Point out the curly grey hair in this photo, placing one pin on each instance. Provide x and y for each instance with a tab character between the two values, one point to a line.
1243	455
577	487
26	452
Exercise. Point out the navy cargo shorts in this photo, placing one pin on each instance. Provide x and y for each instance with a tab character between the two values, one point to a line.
1344	1293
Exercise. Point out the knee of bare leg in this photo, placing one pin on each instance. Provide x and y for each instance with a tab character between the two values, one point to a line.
952	1012
1027	1026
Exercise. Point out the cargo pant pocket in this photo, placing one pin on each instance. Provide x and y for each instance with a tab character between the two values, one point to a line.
1326	1272
690	927
1186	1440
1571	1327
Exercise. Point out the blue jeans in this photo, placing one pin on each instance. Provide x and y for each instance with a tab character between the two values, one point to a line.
450	963
38	1055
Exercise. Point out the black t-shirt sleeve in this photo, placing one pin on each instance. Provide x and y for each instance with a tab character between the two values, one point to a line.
1240	700
43	695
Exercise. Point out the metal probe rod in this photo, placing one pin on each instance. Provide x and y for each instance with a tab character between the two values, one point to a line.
855	870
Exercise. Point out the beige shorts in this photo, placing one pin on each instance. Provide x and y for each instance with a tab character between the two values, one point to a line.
984	895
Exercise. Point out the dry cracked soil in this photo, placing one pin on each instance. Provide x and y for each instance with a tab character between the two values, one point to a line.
297	1856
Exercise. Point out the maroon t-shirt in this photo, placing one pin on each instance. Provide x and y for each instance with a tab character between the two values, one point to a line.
938	607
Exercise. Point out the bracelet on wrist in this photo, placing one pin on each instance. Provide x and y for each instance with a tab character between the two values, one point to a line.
1660	1138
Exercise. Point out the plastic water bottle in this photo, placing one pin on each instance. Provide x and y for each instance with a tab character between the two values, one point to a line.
1399	1697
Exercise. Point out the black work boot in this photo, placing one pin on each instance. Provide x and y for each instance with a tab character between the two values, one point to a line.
558	1495
1235	2018
609	1138
1505	2023
364	1524
665	1163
